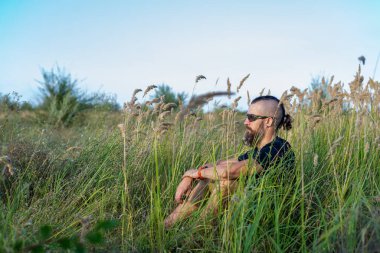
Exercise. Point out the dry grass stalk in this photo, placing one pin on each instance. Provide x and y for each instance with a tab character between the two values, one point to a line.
242	82
248	99
149	88
198	101
228	87
262	92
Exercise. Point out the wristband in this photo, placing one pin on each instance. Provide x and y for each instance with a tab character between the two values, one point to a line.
199	172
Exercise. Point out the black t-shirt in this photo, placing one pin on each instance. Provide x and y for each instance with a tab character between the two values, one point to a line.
273	153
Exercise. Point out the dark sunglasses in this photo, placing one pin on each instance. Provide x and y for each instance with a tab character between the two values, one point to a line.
253	117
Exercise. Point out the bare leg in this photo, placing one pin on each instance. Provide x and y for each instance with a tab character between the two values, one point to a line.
219	196
184	209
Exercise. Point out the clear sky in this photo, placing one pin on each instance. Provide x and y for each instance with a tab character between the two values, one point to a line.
118	46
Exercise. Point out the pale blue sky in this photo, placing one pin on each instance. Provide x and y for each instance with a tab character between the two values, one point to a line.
118	46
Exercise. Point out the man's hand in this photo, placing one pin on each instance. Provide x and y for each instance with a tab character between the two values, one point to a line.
193	173
183	189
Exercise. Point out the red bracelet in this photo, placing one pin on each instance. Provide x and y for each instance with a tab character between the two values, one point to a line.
199	172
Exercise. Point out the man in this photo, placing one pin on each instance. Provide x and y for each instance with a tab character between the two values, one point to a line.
265	116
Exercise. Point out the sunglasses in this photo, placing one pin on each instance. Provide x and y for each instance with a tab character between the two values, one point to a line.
253	117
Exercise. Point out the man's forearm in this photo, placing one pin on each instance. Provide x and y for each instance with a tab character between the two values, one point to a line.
214	172
225	171
223	162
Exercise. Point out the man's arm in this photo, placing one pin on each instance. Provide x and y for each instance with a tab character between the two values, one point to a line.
223	162
225	172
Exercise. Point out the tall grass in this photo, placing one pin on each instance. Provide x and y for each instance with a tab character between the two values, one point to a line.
329	203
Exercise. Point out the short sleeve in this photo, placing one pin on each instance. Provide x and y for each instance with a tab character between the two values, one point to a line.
275	154
266	156
247	155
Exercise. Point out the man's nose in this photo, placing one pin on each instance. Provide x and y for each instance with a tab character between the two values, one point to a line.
246	121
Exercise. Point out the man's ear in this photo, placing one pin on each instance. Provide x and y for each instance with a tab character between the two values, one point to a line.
270	122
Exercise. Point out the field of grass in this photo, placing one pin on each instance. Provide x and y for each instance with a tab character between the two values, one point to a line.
124	167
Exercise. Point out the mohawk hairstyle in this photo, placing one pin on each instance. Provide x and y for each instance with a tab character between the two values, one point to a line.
284	120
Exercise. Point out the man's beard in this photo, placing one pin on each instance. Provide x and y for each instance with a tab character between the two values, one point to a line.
251	137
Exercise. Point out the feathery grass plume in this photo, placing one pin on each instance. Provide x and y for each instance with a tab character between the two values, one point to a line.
228	88
197	101
162	115
248	99
122	129
157	107
242	82
168	106
361	59
136	91
180	102
334	145
8	170
236	102
261	92
315	160
296	91
268	92
161	128
130	105
366	147
330	101
199	77
149	88
316	118
155	100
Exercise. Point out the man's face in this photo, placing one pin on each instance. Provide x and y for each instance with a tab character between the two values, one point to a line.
254	130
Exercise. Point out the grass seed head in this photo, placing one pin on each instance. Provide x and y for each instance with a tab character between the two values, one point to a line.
199	77
136	91
242	82
229	87
149	88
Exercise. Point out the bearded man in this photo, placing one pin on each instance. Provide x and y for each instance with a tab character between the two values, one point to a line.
266	115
